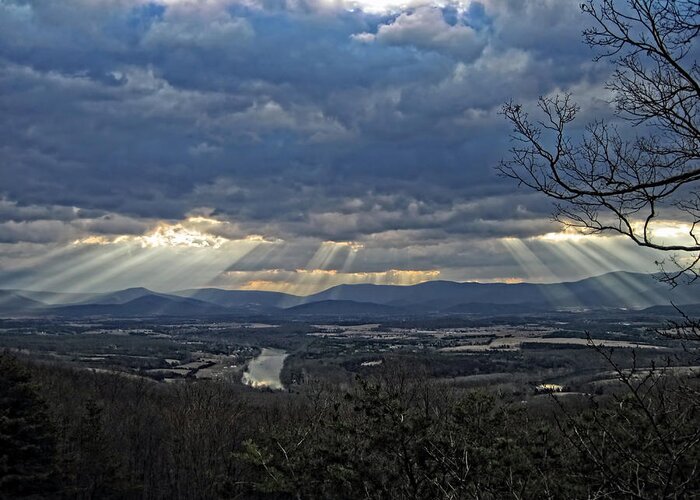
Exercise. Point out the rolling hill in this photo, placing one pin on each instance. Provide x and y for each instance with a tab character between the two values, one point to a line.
612	290
252	299
11	300
145	305
344	308
619	290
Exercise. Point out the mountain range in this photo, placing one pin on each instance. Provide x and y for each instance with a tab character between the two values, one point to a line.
617	290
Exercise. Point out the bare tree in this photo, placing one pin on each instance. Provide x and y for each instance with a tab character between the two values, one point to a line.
611	180
605	181
644	442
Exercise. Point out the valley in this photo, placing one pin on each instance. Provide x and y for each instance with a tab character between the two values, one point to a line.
516	352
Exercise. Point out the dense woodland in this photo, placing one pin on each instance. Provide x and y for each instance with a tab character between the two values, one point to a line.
75	433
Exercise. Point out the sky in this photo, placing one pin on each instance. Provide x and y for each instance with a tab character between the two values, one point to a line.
284	145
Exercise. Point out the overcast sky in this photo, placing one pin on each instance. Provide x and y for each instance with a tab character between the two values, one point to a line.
287	145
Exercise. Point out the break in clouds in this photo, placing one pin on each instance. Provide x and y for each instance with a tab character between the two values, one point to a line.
280	144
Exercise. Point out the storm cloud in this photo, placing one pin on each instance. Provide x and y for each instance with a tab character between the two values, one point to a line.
292	121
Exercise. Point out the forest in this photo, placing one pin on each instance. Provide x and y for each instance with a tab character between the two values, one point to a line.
69	433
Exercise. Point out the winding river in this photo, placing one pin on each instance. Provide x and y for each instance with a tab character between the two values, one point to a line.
264	370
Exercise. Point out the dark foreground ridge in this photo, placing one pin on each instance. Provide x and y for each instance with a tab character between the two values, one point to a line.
394	435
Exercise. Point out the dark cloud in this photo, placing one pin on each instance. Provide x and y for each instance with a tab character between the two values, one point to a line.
294	120
42	231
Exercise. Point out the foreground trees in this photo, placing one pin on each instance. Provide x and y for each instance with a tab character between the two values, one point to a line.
394	435
399	438
644	440
394	438
641	182
27	437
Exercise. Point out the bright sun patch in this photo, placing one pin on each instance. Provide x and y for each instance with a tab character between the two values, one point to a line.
179	236
672	230
189	233
163	236
306	281
563	236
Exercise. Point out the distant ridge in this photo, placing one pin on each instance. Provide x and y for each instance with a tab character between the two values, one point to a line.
615	290
241	298
49	298
145	305
120	296
618	290
11	300
688	309
344	308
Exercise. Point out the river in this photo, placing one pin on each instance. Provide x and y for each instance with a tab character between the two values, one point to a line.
265	369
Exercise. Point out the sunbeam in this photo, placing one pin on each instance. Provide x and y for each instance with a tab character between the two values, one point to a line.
533	267
536	270
572	251
67	274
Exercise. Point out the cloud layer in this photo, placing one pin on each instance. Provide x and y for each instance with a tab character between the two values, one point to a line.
298	122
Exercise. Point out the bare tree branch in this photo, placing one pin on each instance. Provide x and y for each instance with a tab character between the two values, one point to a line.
603	181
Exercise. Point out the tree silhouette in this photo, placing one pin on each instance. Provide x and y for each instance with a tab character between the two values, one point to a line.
645	444
27	438
605	181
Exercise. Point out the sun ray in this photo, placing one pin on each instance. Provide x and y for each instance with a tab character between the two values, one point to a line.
316	274
66	274
529	262
349	260
119	259
324	254
607	259
536	270
592	264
